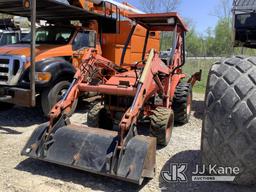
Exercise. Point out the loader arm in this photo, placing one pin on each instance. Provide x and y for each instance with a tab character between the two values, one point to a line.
149	84
91	68
112	146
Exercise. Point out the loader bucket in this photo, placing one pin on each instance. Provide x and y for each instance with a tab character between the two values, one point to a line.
95	150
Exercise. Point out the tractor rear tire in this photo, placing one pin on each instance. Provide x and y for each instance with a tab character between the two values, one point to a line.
162	120
98	117
229	124
182	103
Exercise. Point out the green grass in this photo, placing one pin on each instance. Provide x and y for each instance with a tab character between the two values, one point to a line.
193	66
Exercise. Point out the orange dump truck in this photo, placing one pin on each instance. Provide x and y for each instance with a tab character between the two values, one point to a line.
60	47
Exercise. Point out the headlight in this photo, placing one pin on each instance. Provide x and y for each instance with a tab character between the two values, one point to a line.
43	76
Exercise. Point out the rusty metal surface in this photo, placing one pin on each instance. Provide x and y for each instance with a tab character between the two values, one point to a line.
93	149
195	77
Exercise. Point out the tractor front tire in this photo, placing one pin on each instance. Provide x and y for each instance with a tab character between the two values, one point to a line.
98	117
162	120
229	124
182	102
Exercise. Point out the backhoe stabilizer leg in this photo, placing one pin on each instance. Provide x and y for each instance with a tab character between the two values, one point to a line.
195	77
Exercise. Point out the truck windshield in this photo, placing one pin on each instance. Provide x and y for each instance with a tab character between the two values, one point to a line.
8	38
50	35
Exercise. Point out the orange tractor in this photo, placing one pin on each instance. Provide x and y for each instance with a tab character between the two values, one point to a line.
112	144
59	47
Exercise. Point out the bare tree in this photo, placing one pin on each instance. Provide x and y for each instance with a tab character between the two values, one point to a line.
169	5
152	6
223	9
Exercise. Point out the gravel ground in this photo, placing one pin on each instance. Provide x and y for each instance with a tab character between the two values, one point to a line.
20	174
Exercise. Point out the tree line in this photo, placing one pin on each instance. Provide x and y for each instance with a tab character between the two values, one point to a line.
215	42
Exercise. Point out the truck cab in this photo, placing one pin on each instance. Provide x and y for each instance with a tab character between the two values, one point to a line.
59	50
9	37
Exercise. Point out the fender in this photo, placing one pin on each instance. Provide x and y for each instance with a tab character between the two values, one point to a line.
176	78
57	66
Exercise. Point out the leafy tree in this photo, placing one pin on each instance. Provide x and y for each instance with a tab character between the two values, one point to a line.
223	37
193	43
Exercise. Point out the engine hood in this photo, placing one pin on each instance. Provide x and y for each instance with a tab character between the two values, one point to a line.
42	51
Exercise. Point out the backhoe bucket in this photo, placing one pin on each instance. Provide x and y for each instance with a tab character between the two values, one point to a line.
95	150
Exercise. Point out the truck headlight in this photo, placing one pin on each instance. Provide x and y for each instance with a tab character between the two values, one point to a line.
43	76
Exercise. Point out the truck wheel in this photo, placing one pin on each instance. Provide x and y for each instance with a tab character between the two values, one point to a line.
162	120
98	117
5	106
229	124
182	103
53	95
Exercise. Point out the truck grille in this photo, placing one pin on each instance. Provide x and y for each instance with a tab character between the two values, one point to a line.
4	70
11	68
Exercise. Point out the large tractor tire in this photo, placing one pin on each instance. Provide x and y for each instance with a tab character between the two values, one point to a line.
229	124
5	106
162	120
53	95
98	117
182	102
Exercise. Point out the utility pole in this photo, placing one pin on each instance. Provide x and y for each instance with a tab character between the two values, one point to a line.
33	54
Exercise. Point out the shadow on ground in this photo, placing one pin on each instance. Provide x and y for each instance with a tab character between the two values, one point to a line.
85	179
9	131
21	117
25	117
198	108
192	158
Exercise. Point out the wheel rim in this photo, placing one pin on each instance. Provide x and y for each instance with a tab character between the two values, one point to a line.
168	132
61	94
